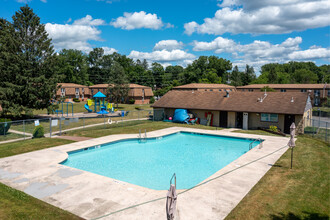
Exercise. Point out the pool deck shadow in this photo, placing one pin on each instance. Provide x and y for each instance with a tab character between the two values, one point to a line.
91	196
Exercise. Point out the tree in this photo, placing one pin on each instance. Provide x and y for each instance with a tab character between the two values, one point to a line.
272	76
73	65
95	61
158	73
235	77
304	76
9	90
248	75
118	84
34	69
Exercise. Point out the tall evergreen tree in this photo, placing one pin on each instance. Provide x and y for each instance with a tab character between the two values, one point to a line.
9	61
35	73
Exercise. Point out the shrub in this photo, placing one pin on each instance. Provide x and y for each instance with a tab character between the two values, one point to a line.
273	128
75	100
152	100
4	127
38	132
131	101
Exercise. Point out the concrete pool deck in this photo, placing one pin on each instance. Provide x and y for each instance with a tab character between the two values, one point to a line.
90	196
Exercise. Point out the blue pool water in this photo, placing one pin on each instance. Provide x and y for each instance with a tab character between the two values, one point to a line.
193	157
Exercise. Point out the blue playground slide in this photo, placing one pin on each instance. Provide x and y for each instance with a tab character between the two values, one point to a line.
87	108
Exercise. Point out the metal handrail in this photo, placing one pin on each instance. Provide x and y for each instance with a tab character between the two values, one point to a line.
250	146
174	176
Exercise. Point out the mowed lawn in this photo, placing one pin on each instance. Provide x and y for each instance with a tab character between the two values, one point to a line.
15	204
20	147
298	193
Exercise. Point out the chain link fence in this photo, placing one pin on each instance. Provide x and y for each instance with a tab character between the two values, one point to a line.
317	128
23	129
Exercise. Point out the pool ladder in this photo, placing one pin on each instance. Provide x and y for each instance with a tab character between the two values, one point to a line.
258	139
174	176
142	139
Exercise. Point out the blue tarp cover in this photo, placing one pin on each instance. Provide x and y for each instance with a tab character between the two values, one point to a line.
180	115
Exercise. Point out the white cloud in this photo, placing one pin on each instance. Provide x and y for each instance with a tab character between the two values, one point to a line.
139	20
259	52
72	36
162	55
168	45
311	54
108	50
76	35
89	21
264	17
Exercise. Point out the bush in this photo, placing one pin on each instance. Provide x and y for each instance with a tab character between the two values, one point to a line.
152	100
38	132
131	101
75	100
4	127
273	128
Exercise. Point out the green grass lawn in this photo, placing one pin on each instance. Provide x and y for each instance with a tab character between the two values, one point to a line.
9	136
298	193
260	132
20	147
15	204
131	127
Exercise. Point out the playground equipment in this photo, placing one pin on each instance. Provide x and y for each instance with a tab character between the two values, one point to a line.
99	103
62	110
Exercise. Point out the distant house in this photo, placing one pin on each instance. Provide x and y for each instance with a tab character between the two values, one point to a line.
68	91
241	110
205	87
318	92
141	94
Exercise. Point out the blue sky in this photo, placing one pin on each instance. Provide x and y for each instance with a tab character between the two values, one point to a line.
250	32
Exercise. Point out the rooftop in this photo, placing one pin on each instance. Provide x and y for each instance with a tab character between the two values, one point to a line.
204	86
285	86
275	102
71	85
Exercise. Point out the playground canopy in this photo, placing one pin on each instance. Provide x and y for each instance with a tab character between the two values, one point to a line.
99	95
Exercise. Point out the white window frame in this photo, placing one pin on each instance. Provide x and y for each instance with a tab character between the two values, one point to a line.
62	92
283	90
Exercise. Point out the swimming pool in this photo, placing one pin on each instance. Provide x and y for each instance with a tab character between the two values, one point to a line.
192	156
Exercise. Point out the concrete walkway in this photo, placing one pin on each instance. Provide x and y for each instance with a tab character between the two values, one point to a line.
19	132
90	196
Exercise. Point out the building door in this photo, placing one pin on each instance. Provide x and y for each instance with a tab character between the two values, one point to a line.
239	119
223	119
245	121
288	119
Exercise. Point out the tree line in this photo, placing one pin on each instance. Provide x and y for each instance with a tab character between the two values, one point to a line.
30	68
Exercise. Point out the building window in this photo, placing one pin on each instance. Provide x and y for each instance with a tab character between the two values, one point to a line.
211	90
316	93
219	90
303	90
269	117
243	90
283	90
77	93
62	92
250	90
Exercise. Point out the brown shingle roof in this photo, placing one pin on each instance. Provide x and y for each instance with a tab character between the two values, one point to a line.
284	86
204	86
275	102
70	85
